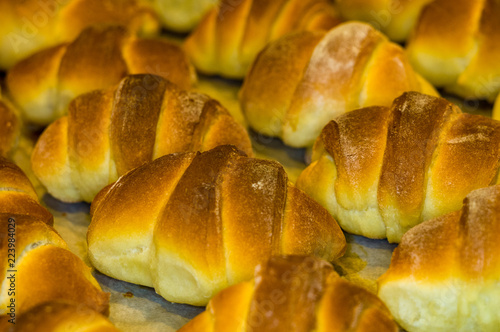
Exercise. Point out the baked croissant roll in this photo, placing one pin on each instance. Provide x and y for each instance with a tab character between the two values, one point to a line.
182	16
10	127
17	195
444	274
231	35
43	84
41	268
36	265
191	224
109	132
294	293
31	25
318	76
58	316
382	170
455	46
395	18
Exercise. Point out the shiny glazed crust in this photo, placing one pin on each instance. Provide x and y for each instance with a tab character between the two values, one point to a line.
318	76
202	222
381	171
444	274
231	35
456	45
43	84
109	132
294	293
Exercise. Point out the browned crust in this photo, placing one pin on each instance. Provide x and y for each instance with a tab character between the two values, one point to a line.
253	195
134	119
356	141
224	206
147	56
192	215
49	273
462	244
18	195
229	38
137	16
346	304
53	315
294	293
217	127
287	290
417	121
105	56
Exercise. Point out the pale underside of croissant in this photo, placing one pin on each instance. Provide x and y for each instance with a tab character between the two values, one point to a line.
58	316
444	274
183	16
294	293
230	36
10	127
302	81
31	25
382	170
455	45
395	18
192	224
33	257
109	132
43	84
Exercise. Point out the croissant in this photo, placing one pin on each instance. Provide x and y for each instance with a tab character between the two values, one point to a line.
43	84
294	293
17	195
32	25
394	18
182	16
318	76
36	263
58	316
10	127
455	46
109	132
231	35
444	274
191	224
382	170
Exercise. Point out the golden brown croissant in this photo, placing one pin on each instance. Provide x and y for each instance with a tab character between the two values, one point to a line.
231	35
455	45
43	84
17	195
31	25
182	16
10	127
317	76
36	265
294	293
109	132
58	316
382	170
395	18
444	274
192	224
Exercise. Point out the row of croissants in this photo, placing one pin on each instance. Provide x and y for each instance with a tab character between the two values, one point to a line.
180	203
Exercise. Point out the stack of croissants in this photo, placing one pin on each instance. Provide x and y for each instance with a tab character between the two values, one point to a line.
105	98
